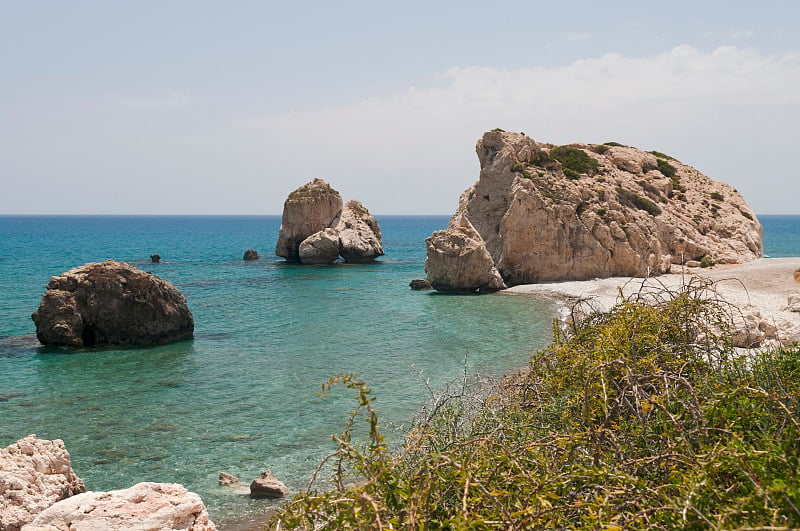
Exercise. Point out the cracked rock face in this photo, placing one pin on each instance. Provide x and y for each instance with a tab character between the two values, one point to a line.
549	213
111	303
34	474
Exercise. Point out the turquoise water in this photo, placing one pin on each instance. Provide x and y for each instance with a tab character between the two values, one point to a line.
781	236
241	396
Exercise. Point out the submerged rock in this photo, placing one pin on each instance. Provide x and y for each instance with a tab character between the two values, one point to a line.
111	303
34	474
155	258
547	213
156	506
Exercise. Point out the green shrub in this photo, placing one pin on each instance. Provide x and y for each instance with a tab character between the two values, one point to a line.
707	261
716	196
571	175
574	159
521	169
746	214
667	169
498	130
614	144
601	149
660	155
638	418
634	200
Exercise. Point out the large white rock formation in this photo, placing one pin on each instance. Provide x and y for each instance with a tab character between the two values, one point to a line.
317	229
547	213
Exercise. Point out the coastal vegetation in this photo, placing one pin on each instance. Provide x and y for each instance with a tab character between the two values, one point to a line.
640	417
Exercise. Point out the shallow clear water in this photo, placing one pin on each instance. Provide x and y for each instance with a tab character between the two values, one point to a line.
241	396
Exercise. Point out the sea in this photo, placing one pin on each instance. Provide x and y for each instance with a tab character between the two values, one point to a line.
244	395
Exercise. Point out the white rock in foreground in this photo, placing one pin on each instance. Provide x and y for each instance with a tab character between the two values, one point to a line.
34	474
145	506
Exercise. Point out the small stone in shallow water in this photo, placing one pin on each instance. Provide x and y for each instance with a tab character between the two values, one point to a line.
420	285
162	427
8	396
267	486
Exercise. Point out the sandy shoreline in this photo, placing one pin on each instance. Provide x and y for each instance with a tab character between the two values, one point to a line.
765	283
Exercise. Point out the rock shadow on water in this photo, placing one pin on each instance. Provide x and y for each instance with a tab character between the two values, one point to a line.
18	346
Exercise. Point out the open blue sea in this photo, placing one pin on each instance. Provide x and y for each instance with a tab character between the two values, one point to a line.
242	396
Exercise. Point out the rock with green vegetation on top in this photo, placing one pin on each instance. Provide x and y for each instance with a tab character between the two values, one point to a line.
317	229
582	211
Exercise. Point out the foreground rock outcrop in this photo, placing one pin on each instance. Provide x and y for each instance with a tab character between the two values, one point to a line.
156	506
34	474
547	213
111	303
316	228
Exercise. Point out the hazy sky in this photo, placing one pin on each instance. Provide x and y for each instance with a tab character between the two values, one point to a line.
200	107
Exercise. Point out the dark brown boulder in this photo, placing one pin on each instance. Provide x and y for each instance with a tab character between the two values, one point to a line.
111	303
419	284
267	486
155	258
250	254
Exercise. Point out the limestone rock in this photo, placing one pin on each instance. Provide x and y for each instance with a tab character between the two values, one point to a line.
156	506
111	303
794	302
309	209
359	234
797	276
34	474
314	220
459	261
320	248
547	213
267	486
250	254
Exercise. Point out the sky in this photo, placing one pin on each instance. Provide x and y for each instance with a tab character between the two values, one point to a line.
211	107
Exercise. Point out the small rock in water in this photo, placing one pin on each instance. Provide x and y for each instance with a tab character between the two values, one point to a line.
267	486
420	285
155	258
250	254
228	480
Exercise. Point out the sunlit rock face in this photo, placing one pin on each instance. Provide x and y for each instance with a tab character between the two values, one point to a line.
548	213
